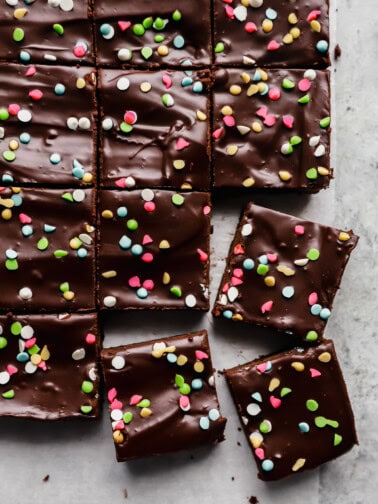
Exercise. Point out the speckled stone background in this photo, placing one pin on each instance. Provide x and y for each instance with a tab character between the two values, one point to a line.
79	457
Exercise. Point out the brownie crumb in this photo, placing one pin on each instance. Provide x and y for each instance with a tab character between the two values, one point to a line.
337	51
125	493
253	500
46	478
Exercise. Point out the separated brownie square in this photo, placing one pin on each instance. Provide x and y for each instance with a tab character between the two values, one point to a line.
154	250
47	249
276	33
49	31
47	125
271	129
162	396
49	366
283	272
153	33
294	409
155	129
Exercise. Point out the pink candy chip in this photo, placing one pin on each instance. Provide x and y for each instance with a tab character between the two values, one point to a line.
147	257
262	112
206	210
130	117
123	25
116	404
181	144
261	368
230	12
134	282
121	183
272	258
315	373
14	109
149	206
112	394
304	85
12	369
167	81
148	285
288	121
24	219
236	281
312	298
30	71
260	454
229	121
217	133
299	230
313	15
273	45
147	239
90	339
135	399
36	94
184	403
269	120
250	27
274	94
202	255
266	307
275	401
200	355
79	51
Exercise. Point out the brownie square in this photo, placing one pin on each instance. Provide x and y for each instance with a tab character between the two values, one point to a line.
283	272
53	31
152	33
294	408
162	396
154	250
271	129
47	125
155	129
47	249
276	33
49	366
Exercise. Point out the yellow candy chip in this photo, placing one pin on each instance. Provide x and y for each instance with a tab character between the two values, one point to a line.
163	50
107	214
201	116
118	437
226	110
232	150
274	383
298	366
288	39
343	236
198	366
166	278
235	90
80	83
68	295
109	274
298	464
246	78
325	357
292	18
316	26
178	164
145	87
248	182
267	25
295	32
285	175
269	281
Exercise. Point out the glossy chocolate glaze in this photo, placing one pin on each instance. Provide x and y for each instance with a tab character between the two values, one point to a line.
259	155
48	126
259	47
147	154
41	42
194	27
185	229
312	378
39	270
168	428
54	390
261	232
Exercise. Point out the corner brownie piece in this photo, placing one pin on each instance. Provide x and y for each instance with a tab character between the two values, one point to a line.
272	129
49	366
48	31
277	33
154	250
162	396
283	272
294	408
47	249
153	33
47	125
155	129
